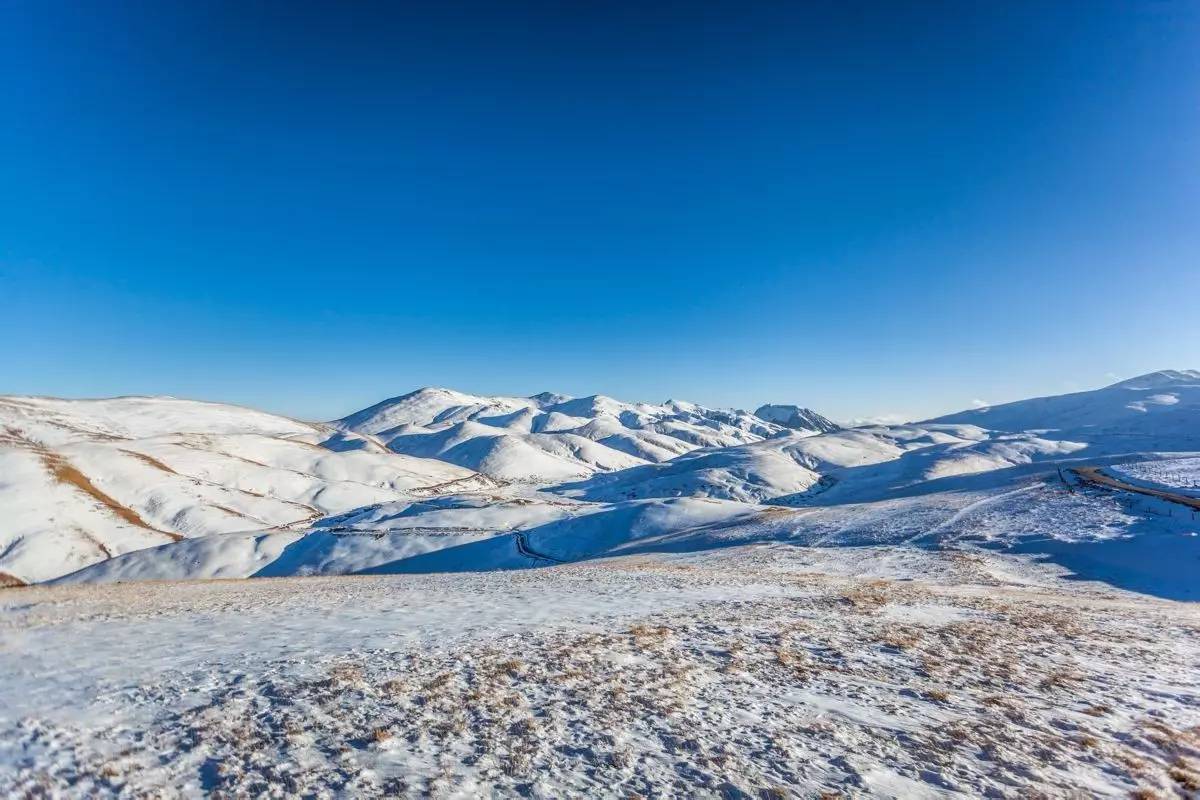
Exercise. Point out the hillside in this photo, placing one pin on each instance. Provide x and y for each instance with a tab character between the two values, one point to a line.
796	418
1161	406
82	481
437	480
549	437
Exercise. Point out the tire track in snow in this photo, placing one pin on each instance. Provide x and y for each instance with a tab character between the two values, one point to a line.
970	509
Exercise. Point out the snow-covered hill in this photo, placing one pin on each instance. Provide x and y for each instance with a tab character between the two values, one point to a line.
1160	406
82	481
796	418
844	466
136	488
549	437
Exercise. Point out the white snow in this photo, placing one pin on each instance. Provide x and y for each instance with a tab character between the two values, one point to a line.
548	437
245	485
737	672
1177	474
660	600
81	481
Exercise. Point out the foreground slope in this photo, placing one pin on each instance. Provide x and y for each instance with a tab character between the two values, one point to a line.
875	672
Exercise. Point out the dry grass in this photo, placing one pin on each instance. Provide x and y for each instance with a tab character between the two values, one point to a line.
1060	679
149	461
647	636
868	596
346	674
439	682
900	639
1185	776
1144	793
8	581
588	704
513	667
64	472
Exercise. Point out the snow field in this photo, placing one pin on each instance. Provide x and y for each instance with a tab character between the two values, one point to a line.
746	672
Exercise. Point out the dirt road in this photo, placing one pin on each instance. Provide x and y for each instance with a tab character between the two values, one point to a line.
1094	476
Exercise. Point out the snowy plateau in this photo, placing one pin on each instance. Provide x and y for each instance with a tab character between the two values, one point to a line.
450	595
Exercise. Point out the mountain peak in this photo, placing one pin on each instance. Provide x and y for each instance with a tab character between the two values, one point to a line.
796	417
550	398
1163	377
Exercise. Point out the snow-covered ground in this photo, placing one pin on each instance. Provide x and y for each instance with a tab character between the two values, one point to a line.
755	671
555	596
1181	475
1130	541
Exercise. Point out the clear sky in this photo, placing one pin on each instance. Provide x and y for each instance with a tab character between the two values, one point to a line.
863	207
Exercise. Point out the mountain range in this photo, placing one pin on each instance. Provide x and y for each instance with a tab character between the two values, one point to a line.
138	487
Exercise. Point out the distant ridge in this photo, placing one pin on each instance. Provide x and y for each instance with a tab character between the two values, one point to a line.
1163	404
796	418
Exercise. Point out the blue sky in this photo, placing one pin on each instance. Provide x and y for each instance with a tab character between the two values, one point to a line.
860	207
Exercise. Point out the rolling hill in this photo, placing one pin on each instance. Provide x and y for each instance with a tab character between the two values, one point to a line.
135	488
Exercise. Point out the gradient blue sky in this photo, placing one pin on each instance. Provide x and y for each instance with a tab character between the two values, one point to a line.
862	207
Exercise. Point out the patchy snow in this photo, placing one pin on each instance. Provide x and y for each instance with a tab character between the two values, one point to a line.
738	672
642	600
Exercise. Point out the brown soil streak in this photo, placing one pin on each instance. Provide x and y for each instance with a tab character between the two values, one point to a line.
64	472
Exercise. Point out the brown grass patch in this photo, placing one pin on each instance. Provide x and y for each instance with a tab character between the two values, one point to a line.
648	635
150	461
513	667
899	639
938	695
1187	778
1060	679
10	581
346	673
1145	794
64	472
99	545
868	597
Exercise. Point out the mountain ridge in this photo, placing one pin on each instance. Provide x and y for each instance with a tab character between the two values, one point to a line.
84	481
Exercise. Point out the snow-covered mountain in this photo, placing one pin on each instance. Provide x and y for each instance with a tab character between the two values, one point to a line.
548	437
862	463
102	482
796	418
1161	405
82	481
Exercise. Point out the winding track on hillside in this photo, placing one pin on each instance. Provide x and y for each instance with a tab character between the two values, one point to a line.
1096	477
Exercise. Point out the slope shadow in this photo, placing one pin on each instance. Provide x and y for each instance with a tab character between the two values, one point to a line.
1154	559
